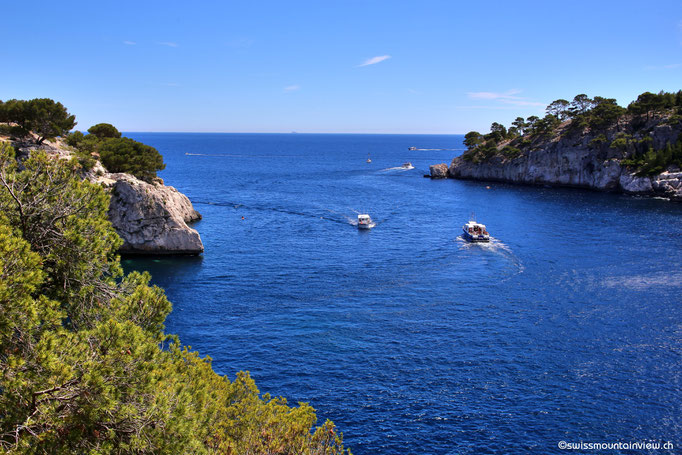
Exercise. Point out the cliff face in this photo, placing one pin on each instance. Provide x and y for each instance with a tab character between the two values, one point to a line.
569	160
151	218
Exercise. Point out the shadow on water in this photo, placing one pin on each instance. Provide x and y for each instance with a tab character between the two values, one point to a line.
165	270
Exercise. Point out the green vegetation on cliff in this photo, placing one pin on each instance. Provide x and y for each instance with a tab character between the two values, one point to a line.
47	119
615	131
42	116
85	365
116	153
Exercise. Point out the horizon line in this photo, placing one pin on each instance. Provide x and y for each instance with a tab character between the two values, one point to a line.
290	132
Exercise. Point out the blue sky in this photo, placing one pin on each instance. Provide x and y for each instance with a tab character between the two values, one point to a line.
333	66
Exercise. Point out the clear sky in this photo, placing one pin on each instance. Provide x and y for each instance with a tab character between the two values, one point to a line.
333	66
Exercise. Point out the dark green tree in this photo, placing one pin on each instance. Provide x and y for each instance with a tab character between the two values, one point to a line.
530	123
559	108
472	139
580	105
647	103
47	119
605	113
104	130
520	125
126	155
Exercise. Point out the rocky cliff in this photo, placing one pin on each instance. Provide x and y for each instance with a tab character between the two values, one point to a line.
151	218
576	159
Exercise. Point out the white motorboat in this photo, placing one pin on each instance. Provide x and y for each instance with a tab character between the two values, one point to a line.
407	165
475	232
365	222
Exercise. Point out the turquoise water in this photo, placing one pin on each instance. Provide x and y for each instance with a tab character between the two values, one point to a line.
567	326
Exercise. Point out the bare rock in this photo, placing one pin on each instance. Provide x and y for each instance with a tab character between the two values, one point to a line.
668	184
630	183
151	218
438	171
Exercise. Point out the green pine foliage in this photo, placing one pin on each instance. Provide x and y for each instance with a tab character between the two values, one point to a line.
85	364
42	116
126	155
654	162
597	117
117	154
104	130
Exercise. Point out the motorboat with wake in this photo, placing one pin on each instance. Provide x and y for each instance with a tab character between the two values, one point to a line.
475	232
365	221
407	165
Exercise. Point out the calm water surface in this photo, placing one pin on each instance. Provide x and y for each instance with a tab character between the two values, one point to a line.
568	326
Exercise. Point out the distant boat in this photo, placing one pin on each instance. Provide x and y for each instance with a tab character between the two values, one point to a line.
407	165
369	160
475	232
412	148
365	222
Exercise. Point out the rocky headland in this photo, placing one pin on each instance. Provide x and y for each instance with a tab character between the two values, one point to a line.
150	217
635	153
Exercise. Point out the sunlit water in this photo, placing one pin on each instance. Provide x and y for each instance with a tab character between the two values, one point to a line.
567	326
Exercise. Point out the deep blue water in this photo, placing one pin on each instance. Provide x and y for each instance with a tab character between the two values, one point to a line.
568	326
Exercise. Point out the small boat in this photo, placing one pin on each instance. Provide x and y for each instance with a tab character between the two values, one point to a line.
412	148
407	165
365	222
369	159
475	232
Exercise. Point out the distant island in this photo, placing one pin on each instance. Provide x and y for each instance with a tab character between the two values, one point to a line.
587	142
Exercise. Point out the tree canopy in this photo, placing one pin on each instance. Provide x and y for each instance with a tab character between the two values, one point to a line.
118	154
85	364
600	117
104	130
44	117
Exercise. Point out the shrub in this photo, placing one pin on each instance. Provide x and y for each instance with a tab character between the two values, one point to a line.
126	155
511	152
104	130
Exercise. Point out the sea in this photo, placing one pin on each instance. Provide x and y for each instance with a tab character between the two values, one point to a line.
565	328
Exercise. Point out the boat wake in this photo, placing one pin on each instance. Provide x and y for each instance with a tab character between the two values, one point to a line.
336	217
440	150
497	248
237	155
397	168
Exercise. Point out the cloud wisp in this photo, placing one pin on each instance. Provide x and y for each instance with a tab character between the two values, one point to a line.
129	43
292	88
375	60
167	43
663	67
508	97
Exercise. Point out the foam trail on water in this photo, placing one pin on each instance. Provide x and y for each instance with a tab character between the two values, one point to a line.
398	168
496	247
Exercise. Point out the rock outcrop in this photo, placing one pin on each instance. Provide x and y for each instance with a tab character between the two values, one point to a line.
567	160
151	218
438	171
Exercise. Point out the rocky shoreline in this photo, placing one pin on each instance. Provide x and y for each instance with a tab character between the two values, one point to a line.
608	177
151	218
565	161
